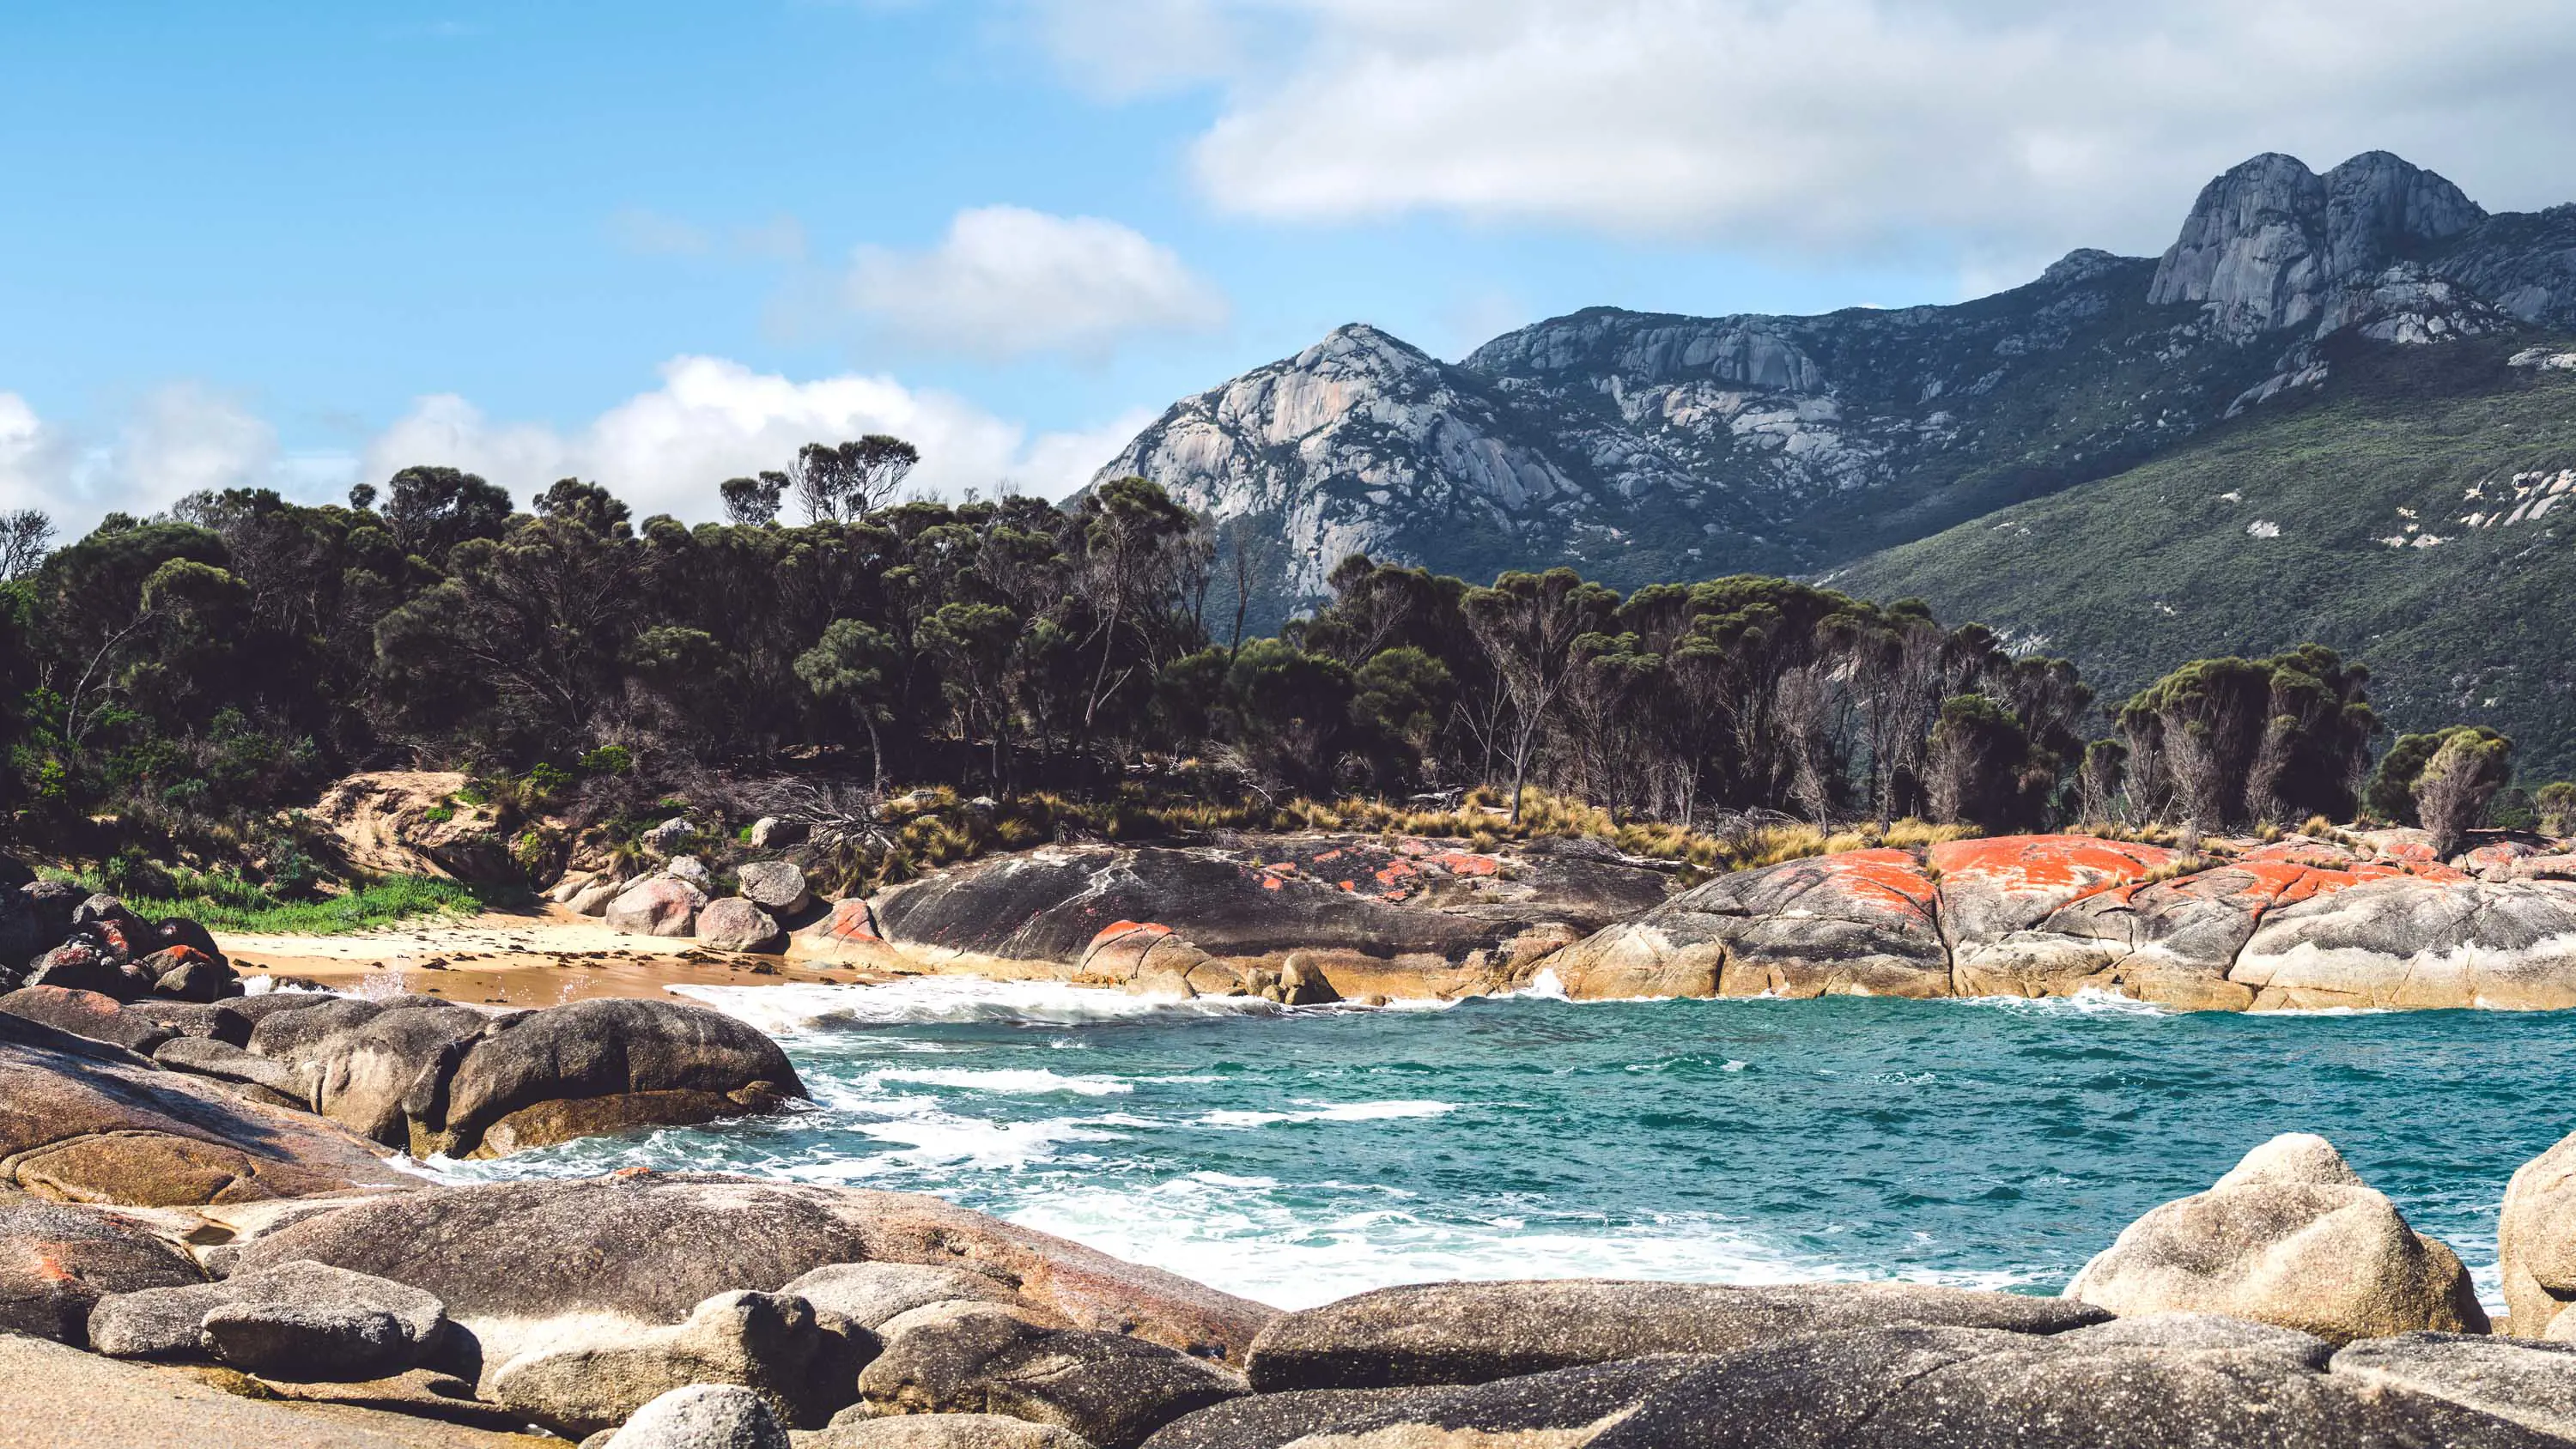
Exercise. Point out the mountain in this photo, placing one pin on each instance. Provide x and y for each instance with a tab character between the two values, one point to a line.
1640	447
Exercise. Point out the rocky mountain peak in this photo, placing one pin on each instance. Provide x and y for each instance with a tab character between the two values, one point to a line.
2269	243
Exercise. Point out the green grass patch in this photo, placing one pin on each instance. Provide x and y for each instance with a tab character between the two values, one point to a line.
229	903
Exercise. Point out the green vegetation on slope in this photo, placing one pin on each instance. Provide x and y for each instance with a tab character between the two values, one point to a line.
225	902
2312	522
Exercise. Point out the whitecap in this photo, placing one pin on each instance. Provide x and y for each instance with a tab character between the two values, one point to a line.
1014	1081
796	1007
1327	1112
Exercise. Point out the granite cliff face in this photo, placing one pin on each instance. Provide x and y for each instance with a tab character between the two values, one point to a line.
1641	447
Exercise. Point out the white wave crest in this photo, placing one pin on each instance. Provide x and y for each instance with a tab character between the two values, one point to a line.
1329	1112
786	1010
1014	1081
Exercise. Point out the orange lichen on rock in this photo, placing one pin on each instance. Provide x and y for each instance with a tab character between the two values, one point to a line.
1116	929
2083	863
1459	862
1882	877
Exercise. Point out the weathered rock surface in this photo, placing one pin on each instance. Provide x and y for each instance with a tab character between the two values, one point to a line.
412	822
658	905
1110	1389
1860	923
2418	944
57	1262
53	1397
2536	1243
1912	1388
206	1056
509	1258
605	1065
1459	1333
870	1294
1420	911
853	1429
2533	1385
304	1319
2289	1237
90	1014
703	1416
1560	1407
735	924
580	1381
776	886
84	1122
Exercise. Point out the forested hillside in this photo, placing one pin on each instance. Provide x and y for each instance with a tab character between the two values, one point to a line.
2419	516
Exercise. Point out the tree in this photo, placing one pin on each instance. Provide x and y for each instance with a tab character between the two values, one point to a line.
584	505
1133	543
974	641
2463	775
848	666
26	536
1527	625
1291	711
2228	741
753	502
1983	769
432	510
1400	697
853	480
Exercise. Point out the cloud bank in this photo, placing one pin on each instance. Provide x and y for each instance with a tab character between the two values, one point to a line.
1976	126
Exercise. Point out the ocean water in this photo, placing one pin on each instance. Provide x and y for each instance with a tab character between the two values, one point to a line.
1295	1156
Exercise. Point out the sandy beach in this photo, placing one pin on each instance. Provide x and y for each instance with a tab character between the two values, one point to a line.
518	959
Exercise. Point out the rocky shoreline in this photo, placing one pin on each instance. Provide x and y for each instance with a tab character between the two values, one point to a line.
2369	920
209	1237
233	1272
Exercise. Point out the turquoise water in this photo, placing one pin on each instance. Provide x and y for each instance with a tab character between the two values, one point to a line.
1296	1156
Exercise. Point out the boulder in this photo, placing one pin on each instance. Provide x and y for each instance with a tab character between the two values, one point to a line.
1461	1333
86	964
57	1262
803	1364
82	1121
776	886
770	832
2412	943
691	869
670	836
2289	1237
2536	1243
1265	897
224	1021
386	1077
88	1014
735	924
594	898
1959	1388
855	1429
1561	1407
656	906
850	922
301	1319
703	1416
1860	923
870	1294
646	1248
605	1065
185	973
1110	1389
293	1033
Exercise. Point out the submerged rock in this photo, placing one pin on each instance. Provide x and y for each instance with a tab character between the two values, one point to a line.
2290	1237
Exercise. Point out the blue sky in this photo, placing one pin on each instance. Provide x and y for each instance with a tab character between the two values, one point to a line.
658	242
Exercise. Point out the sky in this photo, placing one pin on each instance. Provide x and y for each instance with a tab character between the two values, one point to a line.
659	243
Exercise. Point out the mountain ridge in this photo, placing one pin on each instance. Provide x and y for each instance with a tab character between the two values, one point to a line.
1640	446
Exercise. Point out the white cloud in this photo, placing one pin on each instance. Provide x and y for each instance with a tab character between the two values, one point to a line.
665	451
1993	130
175	440
1007	281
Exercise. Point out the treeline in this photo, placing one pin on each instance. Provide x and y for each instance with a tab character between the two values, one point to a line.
175	682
